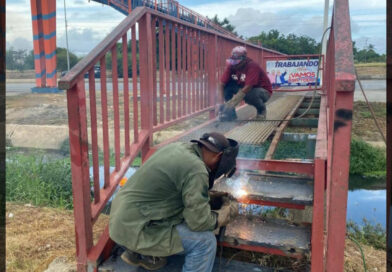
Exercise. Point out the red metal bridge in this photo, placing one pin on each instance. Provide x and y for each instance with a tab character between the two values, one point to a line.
175	70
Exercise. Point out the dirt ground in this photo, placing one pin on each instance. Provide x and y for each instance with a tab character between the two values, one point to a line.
35	236
371	70
364	126
51	109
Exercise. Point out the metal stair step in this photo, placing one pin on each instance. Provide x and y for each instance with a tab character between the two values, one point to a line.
116	264
270	236
251	188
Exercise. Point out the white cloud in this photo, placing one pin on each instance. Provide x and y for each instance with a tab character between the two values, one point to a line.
301	17
81	41
251	22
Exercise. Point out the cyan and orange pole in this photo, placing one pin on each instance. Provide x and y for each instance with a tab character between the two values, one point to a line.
44	36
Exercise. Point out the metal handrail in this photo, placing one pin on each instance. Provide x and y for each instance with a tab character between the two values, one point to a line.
100	50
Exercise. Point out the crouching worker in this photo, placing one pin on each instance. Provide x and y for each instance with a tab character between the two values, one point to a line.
164	208
243	79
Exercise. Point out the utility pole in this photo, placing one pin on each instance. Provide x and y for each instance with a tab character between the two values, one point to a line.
326	12
66	34
366	49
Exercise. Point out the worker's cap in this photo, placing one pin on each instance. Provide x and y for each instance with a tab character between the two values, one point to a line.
213	141
237	55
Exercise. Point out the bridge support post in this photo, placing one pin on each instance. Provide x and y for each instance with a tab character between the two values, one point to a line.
341	93
43	14
146	80
212	72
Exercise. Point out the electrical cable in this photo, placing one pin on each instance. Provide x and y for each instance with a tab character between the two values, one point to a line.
370	108
360	248
317	76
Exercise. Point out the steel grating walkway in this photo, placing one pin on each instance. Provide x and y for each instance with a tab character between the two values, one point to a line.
256	132
244	115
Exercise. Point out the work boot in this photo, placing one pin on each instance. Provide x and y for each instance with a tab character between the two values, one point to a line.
147	262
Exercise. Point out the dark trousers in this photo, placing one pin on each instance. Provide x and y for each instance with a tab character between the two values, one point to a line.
255	97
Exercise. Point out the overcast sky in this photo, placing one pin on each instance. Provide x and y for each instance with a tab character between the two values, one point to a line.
90	22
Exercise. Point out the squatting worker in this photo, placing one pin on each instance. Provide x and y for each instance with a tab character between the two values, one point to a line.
243	79
163	209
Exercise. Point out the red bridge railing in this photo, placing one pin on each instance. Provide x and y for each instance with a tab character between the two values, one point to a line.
340	86
174	67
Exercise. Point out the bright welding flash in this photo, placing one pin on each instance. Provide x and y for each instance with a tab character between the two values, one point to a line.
241	193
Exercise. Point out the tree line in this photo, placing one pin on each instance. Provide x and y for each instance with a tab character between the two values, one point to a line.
290	44
18	59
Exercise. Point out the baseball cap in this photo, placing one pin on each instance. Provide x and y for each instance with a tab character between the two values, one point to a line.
237	55
214	141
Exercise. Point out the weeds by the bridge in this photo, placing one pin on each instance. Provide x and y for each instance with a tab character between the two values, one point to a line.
368	233
367	160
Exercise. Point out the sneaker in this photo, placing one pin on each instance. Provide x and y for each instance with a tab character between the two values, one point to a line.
147	262
260	117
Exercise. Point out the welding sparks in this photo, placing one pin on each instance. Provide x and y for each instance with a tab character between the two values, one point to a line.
241	193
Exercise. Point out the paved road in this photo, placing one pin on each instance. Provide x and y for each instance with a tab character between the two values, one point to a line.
375	89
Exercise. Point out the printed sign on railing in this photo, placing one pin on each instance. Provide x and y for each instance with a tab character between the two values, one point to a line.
300	72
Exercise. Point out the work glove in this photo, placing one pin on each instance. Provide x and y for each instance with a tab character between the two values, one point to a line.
235	100
227	213
217	199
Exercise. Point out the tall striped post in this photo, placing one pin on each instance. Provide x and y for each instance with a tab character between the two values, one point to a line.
44	35
38	41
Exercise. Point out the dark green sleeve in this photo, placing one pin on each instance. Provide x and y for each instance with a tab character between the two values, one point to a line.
197	212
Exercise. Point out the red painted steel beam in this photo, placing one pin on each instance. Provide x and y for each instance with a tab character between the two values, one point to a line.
77	122
322	130
146	81
126	93
134	87
317	241
342	120
116	102
101	249
276	166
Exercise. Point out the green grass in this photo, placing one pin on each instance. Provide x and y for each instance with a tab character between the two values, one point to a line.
43	179
366	160
369	234
370	64
39	180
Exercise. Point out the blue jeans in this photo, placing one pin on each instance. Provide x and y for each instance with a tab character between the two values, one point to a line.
199	249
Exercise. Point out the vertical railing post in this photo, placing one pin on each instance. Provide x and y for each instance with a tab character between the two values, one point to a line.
317	256
212	72
78	139
146	81
341	107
